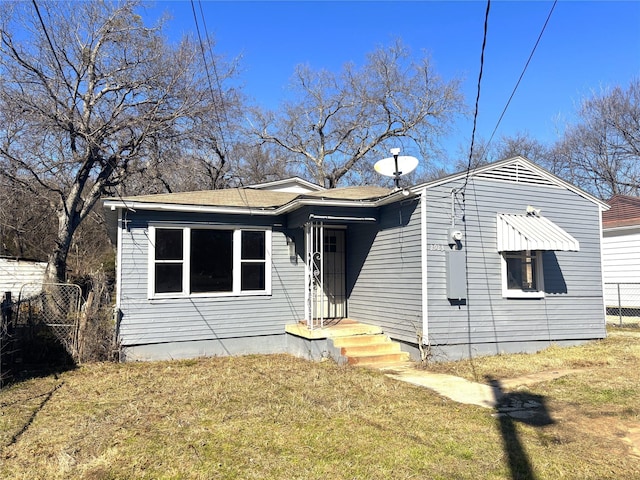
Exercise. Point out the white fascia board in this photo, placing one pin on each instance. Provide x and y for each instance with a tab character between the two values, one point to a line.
176	207
399	195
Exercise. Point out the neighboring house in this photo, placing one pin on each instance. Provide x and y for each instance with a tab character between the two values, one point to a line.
504	258
621	252
21	276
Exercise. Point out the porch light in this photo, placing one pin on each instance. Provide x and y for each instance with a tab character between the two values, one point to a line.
292	249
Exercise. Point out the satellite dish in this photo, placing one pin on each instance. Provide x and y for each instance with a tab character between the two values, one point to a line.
387	166
396	166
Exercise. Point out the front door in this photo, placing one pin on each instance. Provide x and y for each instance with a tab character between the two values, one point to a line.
326	285
334	301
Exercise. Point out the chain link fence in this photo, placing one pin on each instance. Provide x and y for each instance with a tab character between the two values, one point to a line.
36	324
623	303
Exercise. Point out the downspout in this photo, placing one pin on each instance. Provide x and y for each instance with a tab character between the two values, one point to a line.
423	265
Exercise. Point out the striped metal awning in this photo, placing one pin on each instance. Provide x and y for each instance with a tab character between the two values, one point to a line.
520	232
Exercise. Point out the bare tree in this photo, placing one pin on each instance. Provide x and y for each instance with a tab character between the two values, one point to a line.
27	224
86	93
338	122
260	163
601	153
520	144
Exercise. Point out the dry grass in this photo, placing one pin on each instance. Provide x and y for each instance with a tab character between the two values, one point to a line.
279	417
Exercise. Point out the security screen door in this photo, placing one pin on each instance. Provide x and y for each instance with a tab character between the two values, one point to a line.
325	296
333	285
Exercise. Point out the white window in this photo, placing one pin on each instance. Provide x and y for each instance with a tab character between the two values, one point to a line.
522	274
209	261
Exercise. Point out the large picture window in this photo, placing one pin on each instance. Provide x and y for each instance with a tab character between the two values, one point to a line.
522	274
199	261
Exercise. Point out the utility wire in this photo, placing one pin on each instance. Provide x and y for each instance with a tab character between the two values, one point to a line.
222	151
46	34
468	302
53	50
520	79
475	113
213	64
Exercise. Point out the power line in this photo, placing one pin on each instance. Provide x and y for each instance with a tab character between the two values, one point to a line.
466	179
46	34
475	113
520	79
221	152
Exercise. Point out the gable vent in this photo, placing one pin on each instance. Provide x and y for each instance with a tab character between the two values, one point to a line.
516	173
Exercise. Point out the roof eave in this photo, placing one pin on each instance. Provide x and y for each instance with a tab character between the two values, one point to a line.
267	211
187	208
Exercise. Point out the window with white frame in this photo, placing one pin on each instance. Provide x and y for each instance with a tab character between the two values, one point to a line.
209	261
522	274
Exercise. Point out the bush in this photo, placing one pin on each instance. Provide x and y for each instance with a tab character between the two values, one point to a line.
96	332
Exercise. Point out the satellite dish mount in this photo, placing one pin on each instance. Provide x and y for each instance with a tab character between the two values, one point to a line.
396	166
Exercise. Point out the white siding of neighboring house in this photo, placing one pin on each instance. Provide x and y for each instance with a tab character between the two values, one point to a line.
14	274
621	264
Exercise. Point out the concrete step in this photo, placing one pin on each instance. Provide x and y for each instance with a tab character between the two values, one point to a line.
371	349
357	340
378	360
342	328
356	329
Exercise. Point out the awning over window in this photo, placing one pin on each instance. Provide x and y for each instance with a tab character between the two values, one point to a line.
520	232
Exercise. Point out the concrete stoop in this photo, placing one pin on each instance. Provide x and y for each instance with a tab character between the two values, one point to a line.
370	349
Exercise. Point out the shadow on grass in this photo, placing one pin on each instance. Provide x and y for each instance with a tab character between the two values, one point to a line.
45	399
33	352
520	407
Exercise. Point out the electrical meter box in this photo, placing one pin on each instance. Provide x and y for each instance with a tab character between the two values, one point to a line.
456	275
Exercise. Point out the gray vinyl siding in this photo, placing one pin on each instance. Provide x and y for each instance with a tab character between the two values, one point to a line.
384	271
148	321
572	307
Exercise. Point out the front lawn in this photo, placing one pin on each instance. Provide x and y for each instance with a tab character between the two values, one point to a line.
279	417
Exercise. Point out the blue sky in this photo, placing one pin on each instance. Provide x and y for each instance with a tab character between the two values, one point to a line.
585	47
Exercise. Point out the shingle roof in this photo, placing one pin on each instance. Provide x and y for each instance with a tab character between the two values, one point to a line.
352	193
230	197
625	211
256	198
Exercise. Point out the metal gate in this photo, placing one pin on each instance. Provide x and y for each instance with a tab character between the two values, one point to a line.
52	306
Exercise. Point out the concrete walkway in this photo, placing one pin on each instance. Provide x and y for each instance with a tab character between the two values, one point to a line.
465	391
450	386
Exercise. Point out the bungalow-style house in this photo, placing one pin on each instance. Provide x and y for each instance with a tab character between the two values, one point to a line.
621	255
503	258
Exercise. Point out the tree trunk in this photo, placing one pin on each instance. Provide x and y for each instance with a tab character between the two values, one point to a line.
57	266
